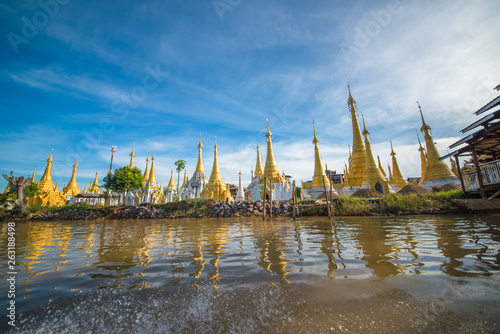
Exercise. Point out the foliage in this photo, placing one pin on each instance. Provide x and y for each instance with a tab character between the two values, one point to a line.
298	191
124	179
351	206
180	165
107	181
32	190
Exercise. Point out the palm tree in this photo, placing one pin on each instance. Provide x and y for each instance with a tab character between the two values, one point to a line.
180	165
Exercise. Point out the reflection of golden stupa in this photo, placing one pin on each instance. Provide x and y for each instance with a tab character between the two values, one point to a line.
273	259
378	250
198	258
450	241
327	245
216	240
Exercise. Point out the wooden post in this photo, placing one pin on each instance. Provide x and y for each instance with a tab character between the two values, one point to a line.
459	173
270	199
478	172
326	196
331	194
265	202
294	195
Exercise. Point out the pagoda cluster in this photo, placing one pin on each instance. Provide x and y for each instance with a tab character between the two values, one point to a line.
267	182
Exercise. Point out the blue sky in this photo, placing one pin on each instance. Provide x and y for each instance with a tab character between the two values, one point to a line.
80	77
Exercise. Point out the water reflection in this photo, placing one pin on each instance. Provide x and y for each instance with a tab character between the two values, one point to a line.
85	256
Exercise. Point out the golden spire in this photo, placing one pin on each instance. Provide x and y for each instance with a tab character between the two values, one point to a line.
435	168
215	176
199	166
132	157
145	177
358	158
380	166
258	166
454	168
396	172
185	179
423	160
271	170
152	175
216	188
372	174
95	186
33	177
391	177
171	183
45	182
72	188
319	173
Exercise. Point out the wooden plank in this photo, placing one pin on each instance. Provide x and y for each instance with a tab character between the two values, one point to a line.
494	195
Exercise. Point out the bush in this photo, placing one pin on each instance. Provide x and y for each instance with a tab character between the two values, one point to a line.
351	206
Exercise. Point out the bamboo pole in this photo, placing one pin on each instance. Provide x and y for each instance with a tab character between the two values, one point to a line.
326	196
331	193
270	199
265	201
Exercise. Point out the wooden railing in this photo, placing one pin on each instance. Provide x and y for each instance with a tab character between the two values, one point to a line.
490	172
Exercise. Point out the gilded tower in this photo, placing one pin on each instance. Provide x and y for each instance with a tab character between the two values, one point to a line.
258	165
271	171
49	193
423	160
145	177
373	177
319	179
72	188
132	155
358	157
435	168
396	172
216	188
194	187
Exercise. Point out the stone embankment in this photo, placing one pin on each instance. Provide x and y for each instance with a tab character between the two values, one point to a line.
237	209
217	209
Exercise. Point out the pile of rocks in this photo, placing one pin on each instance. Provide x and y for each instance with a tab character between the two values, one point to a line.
141	212
237	209
69	215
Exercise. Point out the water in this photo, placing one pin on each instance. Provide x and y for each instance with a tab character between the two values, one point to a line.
415	274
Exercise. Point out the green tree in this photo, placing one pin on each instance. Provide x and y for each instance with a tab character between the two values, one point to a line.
32	190
124	180
180	165
298	191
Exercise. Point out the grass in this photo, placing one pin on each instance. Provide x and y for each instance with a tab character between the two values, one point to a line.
351	206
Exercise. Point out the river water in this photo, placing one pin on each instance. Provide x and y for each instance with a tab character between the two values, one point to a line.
412	274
